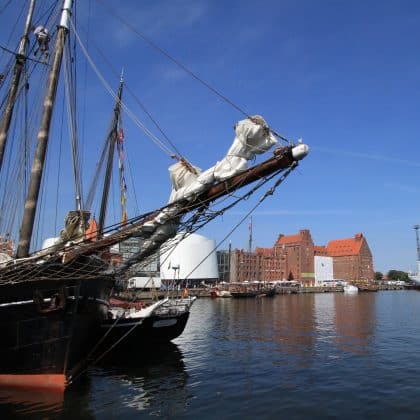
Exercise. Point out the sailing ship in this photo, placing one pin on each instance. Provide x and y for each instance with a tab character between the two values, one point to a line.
54	300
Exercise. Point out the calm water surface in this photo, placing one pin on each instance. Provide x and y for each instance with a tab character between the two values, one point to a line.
296	356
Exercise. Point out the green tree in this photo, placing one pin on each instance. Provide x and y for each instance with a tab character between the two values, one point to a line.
398	275
378	275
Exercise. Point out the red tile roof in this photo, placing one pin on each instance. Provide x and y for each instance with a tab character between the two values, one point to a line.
289	239
345	247
320	250
266	252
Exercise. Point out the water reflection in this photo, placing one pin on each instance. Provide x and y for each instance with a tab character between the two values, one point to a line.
154	382
18	402
299	325
354	321
242	353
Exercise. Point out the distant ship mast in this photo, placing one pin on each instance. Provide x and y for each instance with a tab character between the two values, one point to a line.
250	236
416	228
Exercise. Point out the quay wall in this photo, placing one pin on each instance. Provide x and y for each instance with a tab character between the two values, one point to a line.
203	292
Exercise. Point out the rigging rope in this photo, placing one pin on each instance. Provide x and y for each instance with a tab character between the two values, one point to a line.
5	6
145	38
266	194
72	125
132	116
140	104
269	192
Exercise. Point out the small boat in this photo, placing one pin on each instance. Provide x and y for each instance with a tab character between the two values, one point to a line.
135	325
215	292
367	287
351	289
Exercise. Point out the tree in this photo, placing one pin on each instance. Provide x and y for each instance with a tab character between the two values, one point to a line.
398	275
378	275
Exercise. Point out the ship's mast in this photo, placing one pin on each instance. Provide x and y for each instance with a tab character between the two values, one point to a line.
14	85
112	139
250	236
416	228
43	135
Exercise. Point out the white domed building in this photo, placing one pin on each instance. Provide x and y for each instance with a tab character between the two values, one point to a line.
185	261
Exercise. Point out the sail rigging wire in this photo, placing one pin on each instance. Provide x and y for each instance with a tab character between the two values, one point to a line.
174	60
203	213
5	6
71	114
132	116
141	105
37	268
96	177
182	66
173	244
59	169
269	192
17	169
12	34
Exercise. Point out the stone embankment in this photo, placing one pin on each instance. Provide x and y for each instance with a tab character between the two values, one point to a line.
203	292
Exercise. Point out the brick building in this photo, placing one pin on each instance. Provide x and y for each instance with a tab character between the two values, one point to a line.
273	264
299	252
352	259
245	266
293	258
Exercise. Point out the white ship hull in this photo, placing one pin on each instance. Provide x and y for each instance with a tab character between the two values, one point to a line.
415	278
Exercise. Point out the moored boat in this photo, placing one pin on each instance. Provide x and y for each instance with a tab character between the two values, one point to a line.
130	326
252	289
216	292
350	288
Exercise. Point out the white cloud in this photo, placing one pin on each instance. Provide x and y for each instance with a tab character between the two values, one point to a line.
160	17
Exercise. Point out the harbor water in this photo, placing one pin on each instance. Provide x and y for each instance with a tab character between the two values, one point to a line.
320	355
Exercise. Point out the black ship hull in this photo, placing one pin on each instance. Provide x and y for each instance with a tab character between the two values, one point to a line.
129	334
253	293
47	332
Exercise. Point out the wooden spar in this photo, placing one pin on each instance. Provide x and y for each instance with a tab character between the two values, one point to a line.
43	137
282	159
112	139
14	85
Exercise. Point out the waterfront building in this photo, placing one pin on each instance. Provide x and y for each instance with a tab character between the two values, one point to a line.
324	273
273	264
130	247
295	257
352	258
223	265
245	266
299	252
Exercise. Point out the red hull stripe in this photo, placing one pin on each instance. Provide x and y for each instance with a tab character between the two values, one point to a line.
53	382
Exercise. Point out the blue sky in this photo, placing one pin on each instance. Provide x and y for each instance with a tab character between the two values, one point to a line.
342	75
